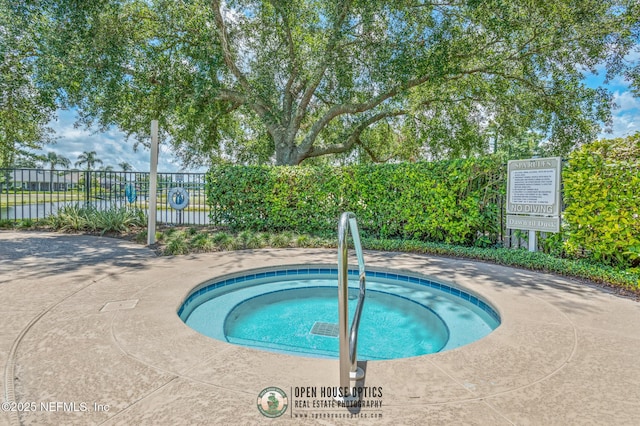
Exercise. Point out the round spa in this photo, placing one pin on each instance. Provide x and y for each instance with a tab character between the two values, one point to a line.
294	310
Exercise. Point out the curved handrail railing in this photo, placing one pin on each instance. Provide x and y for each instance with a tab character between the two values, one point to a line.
349	341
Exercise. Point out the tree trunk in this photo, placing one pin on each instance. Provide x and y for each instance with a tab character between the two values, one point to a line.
286	151
285	156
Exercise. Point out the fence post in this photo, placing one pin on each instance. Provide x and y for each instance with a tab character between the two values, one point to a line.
87	187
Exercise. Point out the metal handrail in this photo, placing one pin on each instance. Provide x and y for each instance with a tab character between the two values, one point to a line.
349	341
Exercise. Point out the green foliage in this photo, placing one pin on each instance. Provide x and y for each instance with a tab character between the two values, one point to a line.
6	224
627	279
452	201
304	241
70	218
116	220
26	223
222	240
89	158
601	188
201	241
249	240
180	242
286	81
141	237
52	159
553	243
75	218
169	232
177	244
282	240
26	107
174	241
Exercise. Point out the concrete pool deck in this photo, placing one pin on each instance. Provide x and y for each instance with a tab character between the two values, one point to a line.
90	335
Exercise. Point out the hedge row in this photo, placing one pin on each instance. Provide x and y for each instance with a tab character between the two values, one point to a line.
538	261
602	196
454	202
451	201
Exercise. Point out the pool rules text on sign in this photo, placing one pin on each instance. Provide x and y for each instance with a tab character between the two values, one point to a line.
533	194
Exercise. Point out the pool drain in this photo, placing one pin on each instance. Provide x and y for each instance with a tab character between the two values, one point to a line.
324	329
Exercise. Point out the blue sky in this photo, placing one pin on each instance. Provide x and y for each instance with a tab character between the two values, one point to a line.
113	148
626	115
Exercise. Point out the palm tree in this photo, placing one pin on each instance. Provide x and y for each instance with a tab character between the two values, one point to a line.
56	160
126	167
88	158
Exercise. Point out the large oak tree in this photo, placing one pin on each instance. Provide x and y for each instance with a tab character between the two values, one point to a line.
289	80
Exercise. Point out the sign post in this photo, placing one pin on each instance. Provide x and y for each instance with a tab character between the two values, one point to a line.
533	196
153	184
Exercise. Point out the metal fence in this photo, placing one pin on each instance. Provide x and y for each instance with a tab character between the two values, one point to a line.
34	194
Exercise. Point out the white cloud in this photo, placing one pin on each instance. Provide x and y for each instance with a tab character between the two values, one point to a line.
112	146
624	124
626	101
626	116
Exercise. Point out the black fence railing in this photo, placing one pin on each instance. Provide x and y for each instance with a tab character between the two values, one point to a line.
34	194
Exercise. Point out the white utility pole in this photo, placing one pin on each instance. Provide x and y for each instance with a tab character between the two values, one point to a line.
153	184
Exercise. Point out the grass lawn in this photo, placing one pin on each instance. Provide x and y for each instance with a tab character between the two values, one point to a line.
197	201
21	198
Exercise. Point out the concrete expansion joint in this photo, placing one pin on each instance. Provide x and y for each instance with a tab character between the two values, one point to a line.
9	370
142	398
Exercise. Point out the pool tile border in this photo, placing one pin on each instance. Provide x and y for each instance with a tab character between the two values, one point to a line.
291	271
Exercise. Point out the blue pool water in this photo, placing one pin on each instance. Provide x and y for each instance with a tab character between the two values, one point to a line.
296	311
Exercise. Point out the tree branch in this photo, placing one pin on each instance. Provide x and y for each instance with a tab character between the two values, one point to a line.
319	74
229	59
289	93
257	105
307	143
374	157
338	110
353	137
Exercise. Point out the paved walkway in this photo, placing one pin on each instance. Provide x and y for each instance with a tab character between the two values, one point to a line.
89	335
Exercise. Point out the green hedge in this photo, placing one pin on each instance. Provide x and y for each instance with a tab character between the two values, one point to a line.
455	202
602	196
537	261
450	201
264	198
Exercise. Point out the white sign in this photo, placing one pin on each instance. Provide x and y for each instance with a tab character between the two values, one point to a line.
533	186
533	223
533	196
